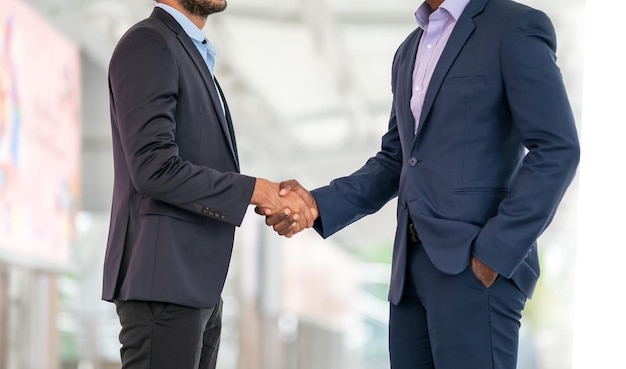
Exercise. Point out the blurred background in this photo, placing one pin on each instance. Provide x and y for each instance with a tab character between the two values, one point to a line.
308	83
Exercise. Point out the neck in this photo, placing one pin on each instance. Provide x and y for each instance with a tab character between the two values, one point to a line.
198	20
434	4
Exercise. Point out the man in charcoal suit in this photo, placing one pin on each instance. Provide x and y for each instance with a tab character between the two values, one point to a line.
178	193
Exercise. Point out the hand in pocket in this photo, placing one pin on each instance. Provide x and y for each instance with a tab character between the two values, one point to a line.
485	275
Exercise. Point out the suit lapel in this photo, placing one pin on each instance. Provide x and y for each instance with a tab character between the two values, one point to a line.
210	85
200	64
462	31
405	81
231	129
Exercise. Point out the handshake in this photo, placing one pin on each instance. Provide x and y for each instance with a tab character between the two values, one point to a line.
287	206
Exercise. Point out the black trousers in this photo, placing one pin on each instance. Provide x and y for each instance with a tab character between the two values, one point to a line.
158	335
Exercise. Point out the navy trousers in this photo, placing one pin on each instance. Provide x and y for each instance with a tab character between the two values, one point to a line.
453	321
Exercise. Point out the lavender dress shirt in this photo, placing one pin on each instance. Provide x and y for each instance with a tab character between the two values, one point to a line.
437	26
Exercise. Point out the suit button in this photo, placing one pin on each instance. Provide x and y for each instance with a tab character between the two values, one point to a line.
403	204
413	161
206	211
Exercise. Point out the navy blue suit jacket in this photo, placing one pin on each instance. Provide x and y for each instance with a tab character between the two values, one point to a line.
495	151
178	194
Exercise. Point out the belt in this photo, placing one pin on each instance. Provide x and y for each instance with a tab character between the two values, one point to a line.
413	236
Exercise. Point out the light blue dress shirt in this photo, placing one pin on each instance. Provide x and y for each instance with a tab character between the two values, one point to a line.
204	46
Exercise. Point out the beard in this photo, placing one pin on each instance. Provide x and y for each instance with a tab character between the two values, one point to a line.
203	8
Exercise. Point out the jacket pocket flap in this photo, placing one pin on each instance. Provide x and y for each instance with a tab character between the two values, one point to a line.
154	207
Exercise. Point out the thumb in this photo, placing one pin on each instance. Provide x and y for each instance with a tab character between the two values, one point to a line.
288	186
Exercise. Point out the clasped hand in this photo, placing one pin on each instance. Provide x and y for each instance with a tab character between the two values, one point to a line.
288	207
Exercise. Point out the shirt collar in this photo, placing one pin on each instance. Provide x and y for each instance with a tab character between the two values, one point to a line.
190	29
453	7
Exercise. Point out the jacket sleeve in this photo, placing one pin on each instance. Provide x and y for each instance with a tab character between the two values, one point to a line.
348	199
541	112
144	87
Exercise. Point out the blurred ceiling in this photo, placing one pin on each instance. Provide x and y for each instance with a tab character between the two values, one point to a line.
307	80
303	77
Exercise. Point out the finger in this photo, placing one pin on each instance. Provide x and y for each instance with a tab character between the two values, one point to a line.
286	226
283	231
260	210
295	228
289	235
304	220
272	220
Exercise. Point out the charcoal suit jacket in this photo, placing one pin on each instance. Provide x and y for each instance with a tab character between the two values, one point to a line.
178	194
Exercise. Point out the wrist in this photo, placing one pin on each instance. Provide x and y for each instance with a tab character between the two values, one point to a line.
260	193
256	192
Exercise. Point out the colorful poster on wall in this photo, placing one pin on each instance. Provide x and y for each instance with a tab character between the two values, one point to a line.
39	137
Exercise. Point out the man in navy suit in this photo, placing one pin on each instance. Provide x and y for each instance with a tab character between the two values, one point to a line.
178	193
480	150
